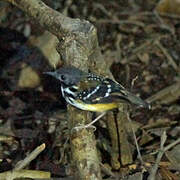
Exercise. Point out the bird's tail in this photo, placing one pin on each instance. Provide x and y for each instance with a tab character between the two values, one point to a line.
133	99
125	96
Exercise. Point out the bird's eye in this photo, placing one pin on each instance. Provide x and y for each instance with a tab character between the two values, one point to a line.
63	78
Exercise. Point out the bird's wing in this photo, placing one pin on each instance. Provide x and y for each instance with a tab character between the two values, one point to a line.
96	90
108	91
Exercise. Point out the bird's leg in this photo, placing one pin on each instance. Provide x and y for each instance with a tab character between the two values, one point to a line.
90	125
96	119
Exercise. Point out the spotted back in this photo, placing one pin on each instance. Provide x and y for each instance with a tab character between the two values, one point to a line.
98	90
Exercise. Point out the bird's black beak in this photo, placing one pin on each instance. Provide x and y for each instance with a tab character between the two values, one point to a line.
53	74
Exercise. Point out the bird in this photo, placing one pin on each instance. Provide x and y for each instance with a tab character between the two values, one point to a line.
91	92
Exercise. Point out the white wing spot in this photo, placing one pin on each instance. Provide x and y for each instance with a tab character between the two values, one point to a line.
106	95
91	93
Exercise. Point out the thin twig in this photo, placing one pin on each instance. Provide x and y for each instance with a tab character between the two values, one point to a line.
107	170
116	21
21	164
160	154
154	169
170	15
143	47
169	58
135	139
133	82
31	174
166	95
171	145
162	24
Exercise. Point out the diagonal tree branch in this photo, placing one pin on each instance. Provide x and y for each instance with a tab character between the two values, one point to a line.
78	46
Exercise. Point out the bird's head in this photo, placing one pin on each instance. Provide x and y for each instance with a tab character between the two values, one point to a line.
67	75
